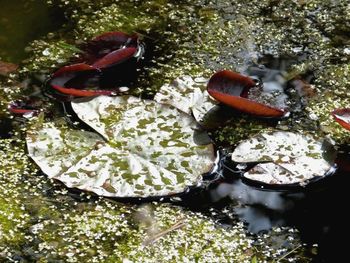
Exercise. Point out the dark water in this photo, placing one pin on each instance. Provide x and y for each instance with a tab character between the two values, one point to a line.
22	21
318	210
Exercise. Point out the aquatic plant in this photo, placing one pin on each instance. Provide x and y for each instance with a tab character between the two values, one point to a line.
188	95
285	157
25	106
234	90
100	54
342	116
146	149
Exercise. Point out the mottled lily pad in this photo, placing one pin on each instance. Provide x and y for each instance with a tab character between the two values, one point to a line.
284	157
188	95
145	149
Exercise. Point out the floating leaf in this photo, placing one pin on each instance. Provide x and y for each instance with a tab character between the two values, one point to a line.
55	149
149	149
80	73
284	157
115	57
101	54
106	43
188	95
342	116
240	92
27	106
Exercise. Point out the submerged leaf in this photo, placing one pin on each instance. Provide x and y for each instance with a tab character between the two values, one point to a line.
64	75
284	157
188	95
150	149
7	68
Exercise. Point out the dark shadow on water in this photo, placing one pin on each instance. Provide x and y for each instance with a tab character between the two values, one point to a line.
22	21
318	211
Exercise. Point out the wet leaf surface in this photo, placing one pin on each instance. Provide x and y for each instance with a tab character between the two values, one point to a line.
188	95
148	149
244	94
284	157
342	116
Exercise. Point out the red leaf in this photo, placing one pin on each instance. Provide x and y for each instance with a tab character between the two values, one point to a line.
115	57
247	106
81	93
73	69
20	111
232	89
342	116
118	38
25	106
231	83
7	68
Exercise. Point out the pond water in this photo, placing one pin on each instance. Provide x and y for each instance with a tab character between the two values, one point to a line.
22	22
316	212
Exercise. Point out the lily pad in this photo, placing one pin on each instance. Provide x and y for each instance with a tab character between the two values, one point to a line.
284	157
188	95
146	149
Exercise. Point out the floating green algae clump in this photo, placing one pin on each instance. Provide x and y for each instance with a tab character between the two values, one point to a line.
112	233
14	165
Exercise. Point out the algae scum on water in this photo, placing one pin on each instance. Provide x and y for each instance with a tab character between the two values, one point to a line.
43	221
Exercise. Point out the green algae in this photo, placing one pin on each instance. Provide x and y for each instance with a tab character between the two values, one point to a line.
198	38
113	234
187	38
13	218
56	225
333	88
48	55
10	90
237	129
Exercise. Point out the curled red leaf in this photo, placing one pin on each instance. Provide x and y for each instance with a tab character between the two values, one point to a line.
232	89
342	116
102	53
27	106
81	93
115	57
117	38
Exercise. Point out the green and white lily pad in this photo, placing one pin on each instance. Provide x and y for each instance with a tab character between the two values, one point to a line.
146	149
284	157
188	95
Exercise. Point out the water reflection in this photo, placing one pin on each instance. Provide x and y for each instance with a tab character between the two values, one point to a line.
317	210
260	209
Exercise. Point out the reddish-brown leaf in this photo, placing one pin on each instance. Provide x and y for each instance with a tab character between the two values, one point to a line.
342	116
232	89
115	57
7	68
81	93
